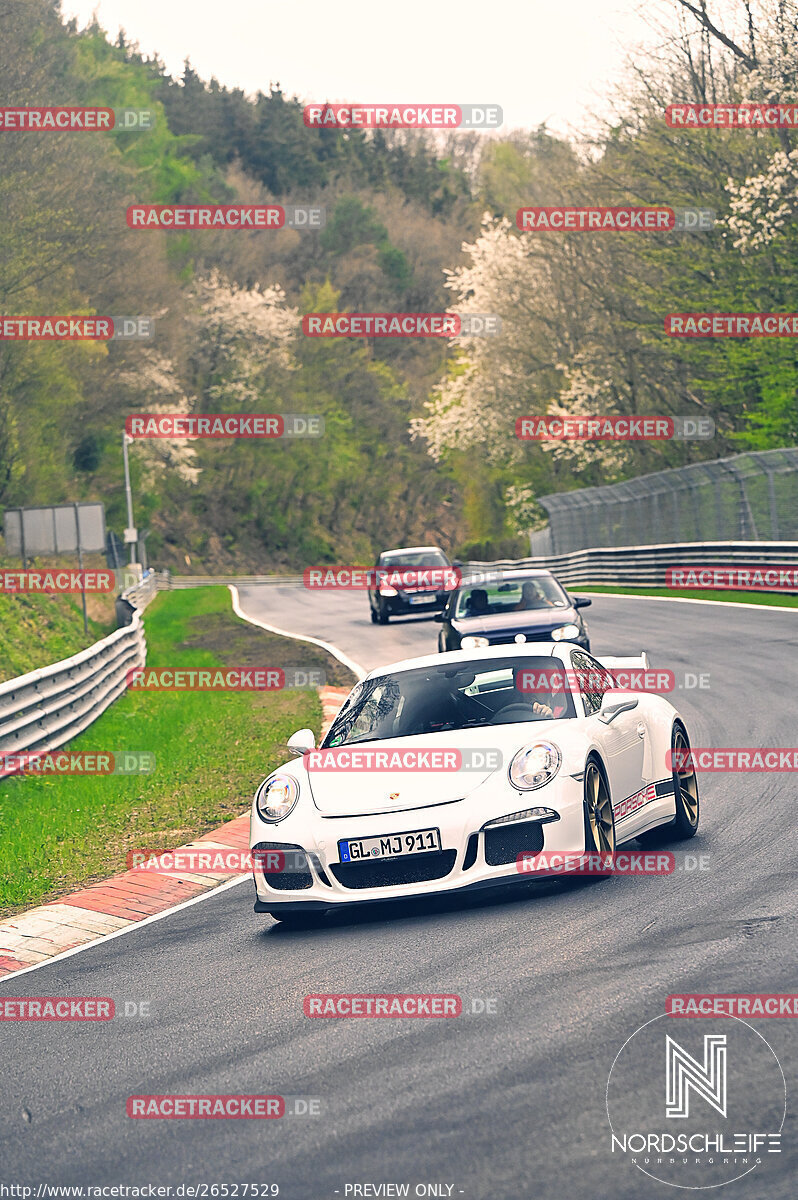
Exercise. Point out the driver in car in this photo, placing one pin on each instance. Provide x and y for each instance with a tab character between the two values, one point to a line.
532	596
477	603
546	701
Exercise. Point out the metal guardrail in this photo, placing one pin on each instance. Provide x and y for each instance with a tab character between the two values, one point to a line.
140	594
41	711
632	565
646	565
45	709
171	582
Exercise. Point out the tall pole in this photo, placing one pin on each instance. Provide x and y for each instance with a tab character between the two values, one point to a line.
80	568
128	493
22	538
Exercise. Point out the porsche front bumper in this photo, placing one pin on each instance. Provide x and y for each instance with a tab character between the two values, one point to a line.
475	853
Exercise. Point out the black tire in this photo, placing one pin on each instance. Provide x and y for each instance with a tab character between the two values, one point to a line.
598	816
685	789
373	615
298	920
383	616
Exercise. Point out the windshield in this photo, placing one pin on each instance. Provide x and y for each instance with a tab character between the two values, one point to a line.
437	699
511	595
425	558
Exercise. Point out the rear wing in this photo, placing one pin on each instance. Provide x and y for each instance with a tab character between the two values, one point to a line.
625	664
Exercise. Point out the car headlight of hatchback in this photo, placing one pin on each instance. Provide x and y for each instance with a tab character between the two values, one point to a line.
473	643
385	589
565	632
276	797
534	766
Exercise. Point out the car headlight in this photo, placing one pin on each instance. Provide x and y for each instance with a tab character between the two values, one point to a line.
565	633
534	766
276	797
385	589
473	643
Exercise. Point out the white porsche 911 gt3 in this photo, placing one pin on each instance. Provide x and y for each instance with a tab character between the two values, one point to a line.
439	774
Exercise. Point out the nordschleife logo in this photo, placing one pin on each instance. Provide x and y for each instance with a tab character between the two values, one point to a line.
698	1111
707	1080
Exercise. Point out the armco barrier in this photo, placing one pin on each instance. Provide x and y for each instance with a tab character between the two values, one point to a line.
638	566
631	565
140	594
45	709
167	580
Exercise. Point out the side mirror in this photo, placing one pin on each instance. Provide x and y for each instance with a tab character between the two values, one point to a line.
582	601
611	707
439	616
457	563
302	742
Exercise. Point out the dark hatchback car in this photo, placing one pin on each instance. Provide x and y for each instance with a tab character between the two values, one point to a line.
421	595
513	606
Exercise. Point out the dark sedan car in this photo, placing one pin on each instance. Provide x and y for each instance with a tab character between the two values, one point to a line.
513	606
410	580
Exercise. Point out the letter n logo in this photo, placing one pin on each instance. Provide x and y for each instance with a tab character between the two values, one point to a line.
684	1072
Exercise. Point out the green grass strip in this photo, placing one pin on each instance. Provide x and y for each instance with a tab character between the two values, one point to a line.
38	629
211	750
780	599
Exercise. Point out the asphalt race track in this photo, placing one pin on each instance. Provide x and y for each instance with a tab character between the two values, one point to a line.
506	1105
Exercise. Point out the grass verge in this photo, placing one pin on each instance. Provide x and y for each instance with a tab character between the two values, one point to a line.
763	598
211	749
40	629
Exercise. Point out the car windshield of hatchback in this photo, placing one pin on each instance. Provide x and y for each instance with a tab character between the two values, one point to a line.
439	699
429	558
512	595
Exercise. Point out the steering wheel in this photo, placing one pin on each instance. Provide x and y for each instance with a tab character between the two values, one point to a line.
515	712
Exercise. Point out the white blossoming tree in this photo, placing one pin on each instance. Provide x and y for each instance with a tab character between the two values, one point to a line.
243	337
157	381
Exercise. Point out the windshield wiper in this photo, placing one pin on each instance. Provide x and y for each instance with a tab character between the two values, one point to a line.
358	741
